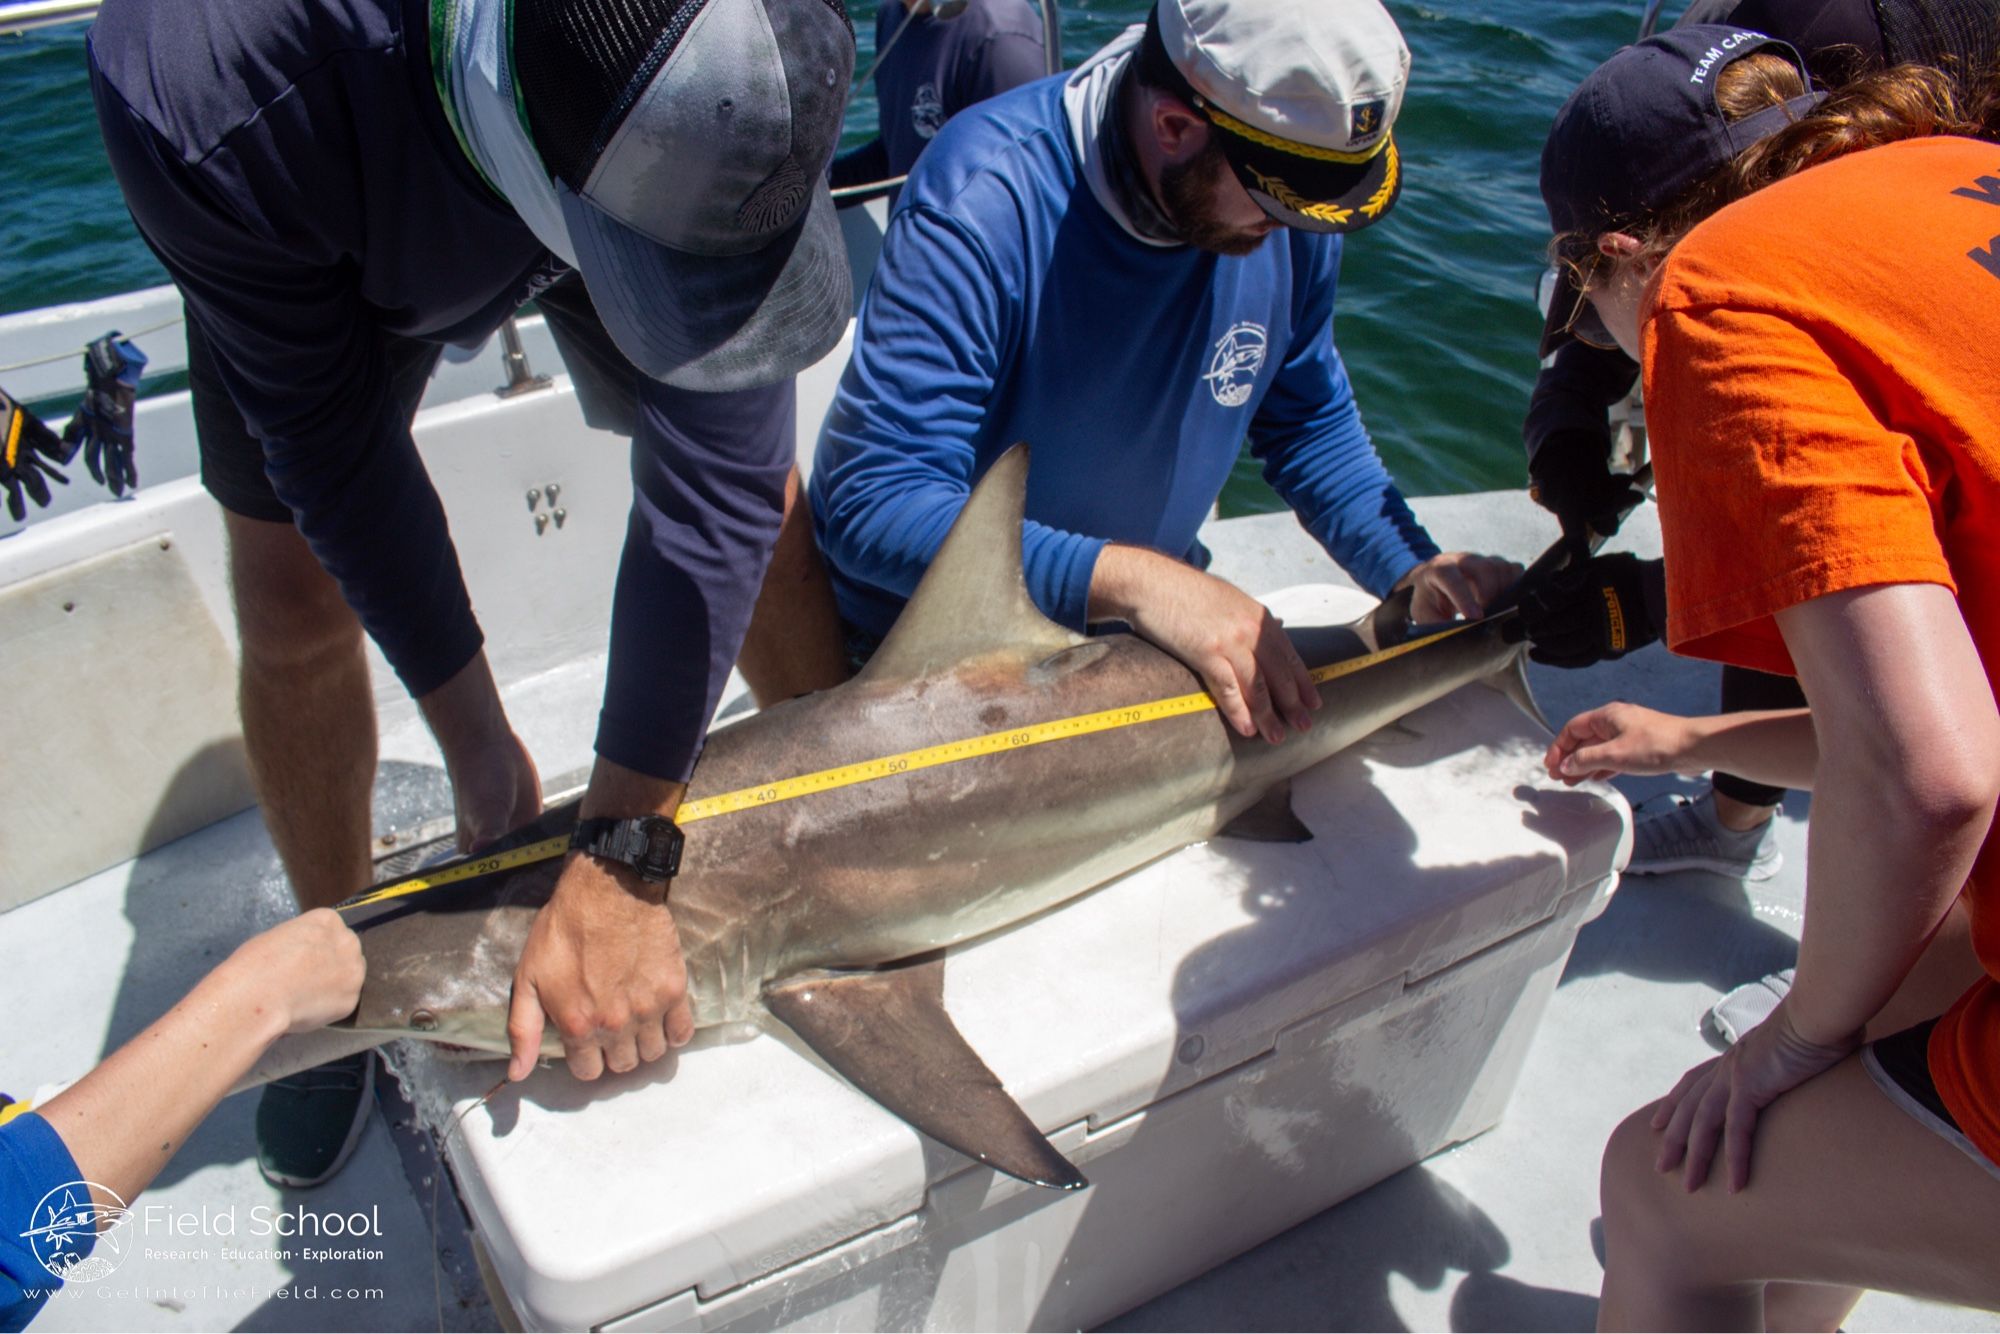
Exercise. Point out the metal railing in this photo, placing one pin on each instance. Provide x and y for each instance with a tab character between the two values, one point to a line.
27	15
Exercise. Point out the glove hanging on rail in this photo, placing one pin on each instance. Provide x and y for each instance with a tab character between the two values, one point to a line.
29	455
103	422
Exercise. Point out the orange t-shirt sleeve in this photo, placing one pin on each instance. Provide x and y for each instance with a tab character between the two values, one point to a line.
1777	481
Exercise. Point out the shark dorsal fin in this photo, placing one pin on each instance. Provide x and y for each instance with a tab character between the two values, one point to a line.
973	600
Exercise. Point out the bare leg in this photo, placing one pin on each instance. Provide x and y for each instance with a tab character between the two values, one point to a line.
1845	1188
794	643
308	711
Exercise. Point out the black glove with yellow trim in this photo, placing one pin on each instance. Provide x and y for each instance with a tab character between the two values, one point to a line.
1595	610
29	453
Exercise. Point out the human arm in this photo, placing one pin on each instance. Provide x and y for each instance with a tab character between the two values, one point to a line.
1907	780
1227	637
603	962
1315	450
268	272
308	368
1567	433
1776	746
124	1120
905	437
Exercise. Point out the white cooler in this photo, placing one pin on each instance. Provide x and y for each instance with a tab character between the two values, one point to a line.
1226	1042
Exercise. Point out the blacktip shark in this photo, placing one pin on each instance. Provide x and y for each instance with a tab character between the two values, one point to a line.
1046	763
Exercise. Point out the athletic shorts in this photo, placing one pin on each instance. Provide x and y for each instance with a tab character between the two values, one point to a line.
232	459
1900	1066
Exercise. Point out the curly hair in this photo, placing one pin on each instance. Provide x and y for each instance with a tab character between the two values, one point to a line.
1906	102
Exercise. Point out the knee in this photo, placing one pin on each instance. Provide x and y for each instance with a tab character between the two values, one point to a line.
1639	1204
289	610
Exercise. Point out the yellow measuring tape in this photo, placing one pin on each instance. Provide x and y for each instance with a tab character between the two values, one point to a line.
868	771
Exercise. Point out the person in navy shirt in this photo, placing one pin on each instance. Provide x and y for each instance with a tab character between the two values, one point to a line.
340	188
935	60
1132	269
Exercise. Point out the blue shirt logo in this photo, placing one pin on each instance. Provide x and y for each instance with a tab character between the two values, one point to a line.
1233	369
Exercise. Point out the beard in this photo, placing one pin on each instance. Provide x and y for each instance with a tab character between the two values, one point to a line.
1188	191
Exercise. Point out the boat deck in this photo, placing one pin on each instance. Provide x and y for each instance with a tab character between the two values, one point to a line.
1498	1233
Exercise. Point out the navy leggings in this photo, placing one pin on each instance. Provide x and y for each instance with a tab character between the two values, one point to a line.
1744	691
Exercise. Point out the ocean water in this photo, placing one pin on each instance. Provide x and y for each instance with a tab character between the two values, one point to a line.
1435	317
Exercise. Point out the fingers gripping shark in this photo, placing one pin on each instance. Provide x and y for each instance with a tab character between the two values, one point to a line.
828	912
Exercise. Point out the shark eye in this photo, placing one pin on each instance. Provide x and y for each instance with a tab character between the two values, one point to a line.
423	1021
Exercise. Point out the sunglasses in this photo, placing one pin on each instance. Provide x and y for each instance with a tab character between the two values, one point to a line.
1582	321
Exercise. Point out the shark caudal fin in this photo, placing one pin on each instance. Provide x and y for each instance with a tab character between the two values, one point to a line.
887	1032
973	599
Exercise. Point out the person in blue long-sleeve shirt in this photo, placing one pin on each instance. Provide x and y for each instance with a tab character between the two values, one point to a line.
1133	269
339	188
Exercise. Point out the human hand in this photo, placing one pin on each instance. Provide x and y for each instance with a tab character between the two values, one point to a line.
493	783
495	791
1619	738
1228	638
1570	476
604	966
1456	583
1594	611
308	970
29	452
1717	1103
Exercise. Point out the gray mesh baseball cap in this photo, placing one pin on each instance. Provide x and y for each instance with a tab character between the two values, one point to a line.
688	142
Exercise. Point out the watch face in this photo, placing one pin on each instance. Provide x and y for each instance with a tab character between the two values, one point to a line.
663	848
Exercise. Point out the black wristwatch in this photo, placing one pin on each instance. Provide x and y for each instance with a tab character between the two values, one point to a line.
650	845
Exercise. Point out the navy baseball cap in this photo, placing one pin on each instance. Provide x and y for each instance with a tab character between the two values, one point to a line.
1642	129
688	141
1844	38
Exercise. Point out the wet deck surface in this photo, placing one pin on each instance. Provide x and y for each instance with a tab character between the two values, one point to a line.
1499	1233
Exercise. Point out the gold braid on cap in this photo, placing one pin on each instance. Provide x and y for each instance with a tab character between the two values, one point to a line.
1292	146
1331	214
1378	201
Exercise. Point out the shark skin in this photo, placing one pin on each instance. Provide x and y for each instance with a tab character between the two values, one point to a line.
828	912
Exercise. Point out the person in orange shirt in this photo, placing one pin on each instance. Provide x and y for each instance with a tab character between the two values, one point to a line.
1812	286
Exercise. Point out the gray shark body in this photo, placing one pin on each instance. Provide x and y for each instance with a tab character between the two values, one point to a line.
828	911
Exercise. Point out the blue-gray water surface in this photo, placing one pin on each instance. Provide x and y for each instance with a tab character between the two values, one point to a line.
1435	317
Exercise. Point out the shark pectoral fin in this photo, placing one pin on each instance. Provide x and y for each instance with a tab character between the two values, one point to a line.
1389	623
973	599
1271	820
1512	681
888	1033
303	1051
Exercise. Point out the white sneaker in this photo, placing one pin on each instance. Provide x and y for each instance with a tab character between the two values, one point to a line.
1748	1006
1687	836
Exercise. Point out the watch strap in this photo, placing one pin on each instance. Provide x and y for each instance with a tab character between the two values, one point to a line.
649	844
